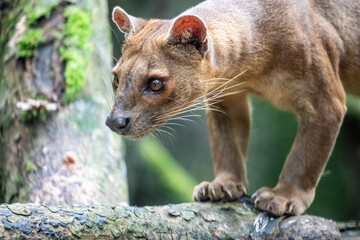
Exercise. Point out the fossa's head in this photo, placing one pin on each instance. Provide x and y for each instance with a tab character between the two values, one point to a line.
160	72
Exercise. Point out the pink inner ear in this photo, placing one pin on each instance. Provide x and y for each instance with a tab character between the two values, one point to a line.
119	20
122	20
189	25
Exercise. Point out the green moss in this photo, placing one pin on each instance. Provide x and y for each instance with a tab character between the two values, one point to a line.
39	12
76	50
24	194
11	191
33	36
74	72
32	115
28	42
16	176
17	136
12	186
29	165
77	29
41	97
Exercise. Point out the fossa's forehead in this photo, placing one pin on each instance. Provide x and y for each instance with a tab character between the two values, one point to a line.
148	37
139	67
148	54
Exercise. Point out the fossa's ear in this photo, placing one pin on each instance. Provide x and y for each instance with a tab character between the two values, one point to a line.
127	23
189	29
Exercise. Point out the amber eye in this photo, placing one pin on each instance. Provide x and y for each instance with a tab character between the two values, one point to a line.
115	83
156	85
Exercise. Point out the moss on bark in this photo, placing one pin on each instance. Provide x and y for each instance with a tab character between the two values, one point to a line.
66	156
29	41
76	51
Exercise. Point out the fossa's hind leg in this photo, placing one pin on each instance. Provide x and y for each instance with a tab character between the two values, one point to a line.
320	115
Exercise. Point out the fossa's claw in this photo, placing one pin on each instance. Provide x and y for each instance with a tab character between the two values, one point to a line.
244	189
228	193
203	191
219	190
213	192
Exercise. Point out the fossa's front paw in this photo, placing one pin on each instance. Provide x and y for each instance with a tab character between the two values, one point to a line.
282	200
219	189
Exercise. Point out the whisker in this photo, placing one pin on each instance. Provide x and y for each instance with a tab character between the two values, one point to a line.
105	95
232	79
183	119
174	124
182	107
170	136
154	136
207	101
221	93
107	84
169	128
225	88
118	40
159	134
185	106
230	93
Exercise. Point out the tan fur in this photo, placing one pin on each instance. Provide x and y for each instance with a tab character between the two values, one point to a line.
300	55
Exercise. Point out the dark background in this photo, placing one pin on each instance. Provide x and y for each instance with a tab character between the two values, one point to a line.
272	134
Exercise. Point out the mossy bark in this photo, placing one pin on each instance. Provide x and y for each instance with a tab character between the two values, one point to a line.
238	220
67	156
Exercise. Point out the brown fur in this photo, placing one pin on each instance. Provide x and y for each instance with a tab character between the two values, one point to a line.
300	55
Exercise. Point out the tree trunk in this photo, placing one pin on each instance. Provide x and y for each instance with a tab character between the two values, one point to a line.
238	220
55	148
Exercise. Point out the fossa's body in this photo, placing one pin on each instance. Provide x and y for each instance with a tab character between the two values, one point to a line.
300	55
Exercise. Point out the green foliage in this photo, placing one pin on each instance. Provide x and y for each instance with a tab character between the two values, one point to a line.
31	39
76	50
171	173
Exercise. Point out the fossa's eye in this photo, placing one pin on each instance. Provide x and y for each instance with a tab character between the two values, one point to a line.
156	85
115	83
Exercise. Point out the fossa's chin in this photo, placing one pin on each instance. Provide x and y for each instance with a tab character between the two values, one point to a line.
136	135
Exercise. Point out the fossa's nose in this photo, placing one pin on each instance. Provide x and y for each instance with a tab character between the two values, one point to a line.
118	123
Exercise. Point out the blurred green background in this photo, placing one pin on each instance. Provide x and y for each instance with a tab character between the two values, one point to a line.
165	170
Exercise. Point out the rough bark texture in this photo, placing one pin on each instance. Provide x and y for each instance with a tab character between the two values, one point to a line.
238	220
67	156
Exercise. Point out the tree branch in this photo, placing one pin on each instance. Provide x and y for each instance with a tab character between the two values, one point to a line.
237	220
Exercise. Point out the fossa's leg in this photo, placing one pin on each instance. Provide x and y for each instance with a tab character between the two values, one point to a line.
320	117
229	134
